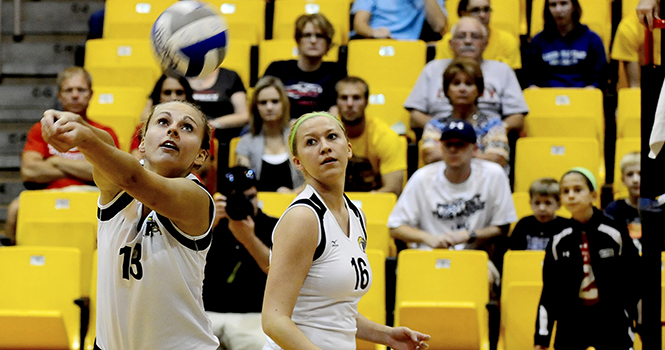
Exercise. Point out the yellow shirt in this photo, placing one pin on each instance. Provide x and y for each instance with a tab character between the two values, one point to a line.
629	41
501	46
381	146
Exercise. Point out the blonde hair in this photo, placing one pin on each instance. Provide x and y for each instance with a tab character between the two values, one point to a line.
629	159
71	72
304	117
256	123
545	186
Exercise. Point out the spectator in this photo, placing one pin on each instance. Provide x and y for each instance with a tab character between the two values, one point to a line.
590	276
501	45
647	10
378	162
42	166
460	203
462	83
624	211
535	231
166	89
502	96
566	53
403	20
310	82
237	263
628	48
264	149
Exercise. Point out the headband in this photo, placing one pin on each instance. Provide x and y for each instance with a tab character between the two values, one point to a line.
294	128
586	173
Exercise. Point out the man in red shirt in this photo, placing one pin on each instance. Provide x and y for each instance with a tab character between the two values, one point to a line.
42	166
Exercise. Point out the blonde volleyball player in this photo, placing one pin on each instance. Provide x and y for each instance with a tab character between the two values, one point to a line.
154	228
319	269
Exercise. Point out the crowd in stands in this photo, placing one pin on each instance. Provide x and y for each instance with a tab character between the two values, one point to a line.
464	106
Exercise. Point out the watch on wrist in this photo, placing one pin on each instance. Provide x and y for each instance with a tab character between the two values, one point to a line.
472	236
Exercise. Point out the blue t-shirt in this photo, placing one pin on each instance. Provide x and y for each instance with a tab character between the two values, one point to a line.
404	18
576	60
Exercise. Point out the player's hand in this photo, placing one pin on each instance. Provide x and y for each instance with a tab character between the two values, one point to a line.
243	230
402	338
220	208
63	130
456	237
381	33
647	10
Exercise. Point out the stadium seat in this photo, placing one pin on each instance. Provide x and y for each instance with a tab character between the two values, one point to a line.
288	11
384	62
274	204
373	304
378	238
537	157
122	62
285	49
559	102
39	288
521	286
629	111
561	126
238	59
89	342
597	14
623	146
132	19
386	103
60	219
444	292
246	19
376	205
628	7
508	15
118	107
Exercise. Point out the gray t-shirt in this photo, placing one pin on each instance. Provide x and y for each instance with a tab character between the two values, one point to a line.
502	96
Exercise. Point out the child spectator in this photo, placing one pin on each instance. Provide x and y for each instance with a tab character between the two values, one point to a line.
535	231
624	211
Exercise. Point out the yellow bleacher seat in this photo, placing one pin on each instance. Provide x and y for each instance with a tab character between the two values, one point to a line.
509	15
238	60
132	19
118	107
537	157
373	304
521	286
89	341
597	14
629	111
386	103
122	62
444	292
39	287
246	18
561	126
60	219
623	146
628	7
285	49
274	204
560	102
378	60
378	238
232	151
288	11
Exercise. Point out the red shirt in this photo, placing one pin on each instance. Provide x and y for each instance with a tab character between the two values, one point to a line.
37	144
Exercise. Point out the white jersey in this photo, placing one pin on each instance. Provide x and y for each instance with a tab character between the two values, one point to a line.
150	280
327	305
430	202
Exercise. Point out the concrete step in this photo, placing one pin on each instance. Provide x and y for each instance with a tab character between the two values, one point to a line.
9	191
51	17
26	103
12	140
38	58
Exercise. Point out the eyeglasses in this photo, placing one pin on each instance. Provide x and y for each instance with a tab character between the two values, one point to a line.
477	10
176	92
249	174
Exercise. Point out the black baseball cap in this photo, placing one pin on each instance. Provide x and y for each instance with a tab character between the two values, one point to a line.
237	179
458	129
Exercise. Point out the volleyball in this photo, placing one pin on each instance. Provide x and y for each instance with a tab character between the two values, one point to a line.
190	39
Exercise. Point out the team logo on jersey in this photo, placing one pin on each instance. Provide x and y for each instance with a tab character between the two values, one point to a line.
151	227
362	243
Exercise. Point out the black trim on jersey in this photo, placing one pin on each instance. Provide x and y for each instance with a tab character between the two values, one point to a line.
109	213
96	347
320	209
358	214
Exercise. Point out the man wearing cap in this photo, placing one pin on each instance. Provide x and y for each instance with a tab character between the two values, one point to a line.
459	203
237	263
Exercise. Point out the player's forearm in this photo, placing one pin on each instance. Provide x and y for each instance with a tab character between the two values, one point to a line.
371	331
284	332
259	251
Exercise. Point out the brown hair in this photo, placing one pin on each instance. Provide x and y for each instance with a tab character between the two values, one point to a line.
70	72
545	186
549	25
465	66
353	80
268	81
319	21
207	131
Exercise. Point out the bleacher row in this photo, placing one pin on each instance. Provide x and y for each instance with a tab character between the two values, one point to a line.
441	292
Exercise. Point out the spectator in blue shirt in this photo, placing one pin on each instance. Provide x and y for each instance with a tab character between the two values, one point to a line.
398	19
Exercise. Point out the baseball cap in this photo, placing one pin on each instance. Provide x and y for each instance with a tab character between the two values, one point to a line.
458	129
237	179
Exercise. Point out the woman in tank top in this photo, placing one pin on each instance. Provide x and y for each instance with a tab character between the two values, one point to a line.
265	149
319	269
